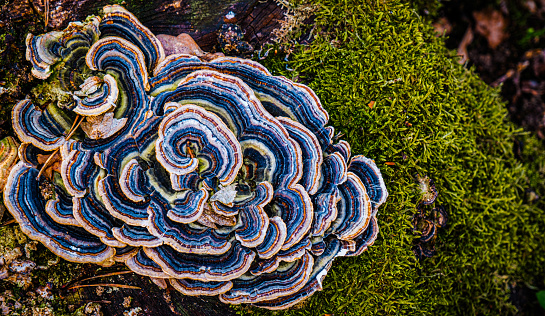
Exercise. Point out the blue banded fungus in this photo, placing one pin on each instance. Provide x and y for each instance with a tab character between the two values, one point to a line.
208	173
426	224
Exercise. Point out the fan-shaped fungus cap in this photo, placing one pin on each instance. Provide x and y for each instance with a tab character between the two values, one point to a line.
8	158
100	96
215	174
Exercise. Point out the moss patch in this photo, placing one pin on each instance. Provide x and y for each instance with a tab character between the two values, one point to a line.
15	77
429	116
11	237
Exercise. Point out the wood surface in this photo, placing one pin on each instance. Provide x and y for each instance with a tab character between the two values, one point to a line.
198	18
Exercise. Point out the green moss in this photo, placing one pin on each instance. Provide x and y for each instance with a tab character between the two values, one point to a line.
11	237
14	71
431	116
427	7
50	92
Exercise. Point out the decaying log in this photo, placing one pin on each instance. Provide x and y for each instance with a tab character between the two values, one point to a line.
200	19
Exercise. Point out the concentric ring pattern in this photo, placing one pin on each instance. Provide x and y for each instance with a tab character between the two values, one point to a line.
214	175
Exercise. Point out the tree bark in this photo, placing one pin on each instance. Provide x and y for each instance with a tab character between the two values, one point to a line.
198	18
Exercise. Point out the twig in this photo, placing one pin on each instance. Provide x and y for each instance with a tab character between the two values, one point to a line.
46	13
104	284
94	301
73	129
105	275
46	163
11	221
75	126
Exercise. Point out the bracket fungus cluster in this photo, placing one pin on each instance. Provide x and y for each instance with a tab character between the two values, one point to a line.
212	175
426	224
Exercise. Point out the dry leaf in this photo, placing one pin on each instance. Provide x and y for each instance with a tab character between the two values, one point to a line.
52	163
442	26
102	126
530	5
181	44
491	24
